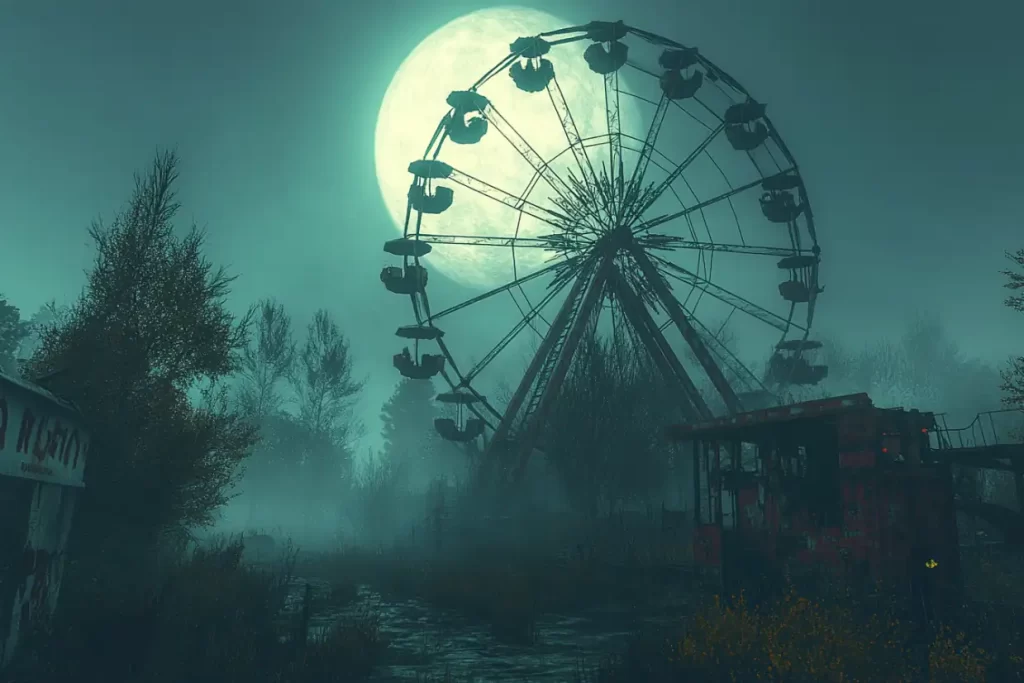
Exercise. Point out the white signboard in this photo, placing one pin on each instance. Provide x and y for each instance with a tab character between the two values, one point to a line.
40	438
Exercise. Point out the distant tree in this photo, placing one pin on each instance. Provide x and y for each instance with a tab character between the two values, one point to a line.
46	316
1013	375
921	368
149	328
411	444
325	393
13	331
373	507
604	436
267	361
719	339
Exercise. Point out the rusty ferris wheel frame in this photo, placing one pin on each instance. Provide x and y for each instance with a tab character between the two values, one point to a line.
608	249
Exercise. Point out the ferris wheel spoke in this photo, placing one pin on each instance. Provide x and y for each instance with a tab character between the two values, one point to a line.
522	324
634	196
693	339
705	107
690	278
693	118
668	243
549	242
650	198
541	167
725	354
552	218
504	288
661	220
576	146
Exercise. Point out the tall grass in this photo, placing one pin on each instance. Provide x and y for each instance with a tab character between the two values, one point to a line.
212	619
802	640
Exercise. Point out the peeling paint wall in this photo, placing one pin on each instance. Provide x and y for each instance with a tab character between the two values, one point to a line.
40	568
43	451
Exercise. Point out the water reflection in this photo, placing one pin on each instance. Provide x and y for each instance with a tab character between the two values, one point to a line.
425	641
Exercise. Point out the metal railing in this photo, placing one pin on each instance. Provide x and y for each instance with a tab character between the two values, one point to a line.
991	428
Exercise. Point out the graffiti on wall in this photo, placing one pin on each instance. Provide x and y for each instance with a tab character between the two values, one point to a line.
41	564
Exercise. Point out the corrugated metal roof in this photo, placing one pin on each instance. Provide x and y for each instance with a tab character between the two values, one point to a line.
36	390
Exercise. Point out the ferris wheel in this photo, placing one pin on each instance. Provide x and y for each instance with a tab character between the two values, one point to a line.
630	225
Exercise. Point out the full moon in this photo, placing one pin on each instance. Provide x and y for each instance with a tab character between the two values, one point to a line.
453	58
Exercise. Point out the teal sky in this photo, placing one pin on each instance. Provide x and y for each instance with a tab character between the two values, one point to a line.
904	117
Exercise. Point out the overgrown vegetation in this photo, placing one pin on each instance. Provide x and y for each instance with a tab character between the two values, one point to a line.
148	352
902	372
185	399
13	331
209	619
300	399
604	438
798	640
149	335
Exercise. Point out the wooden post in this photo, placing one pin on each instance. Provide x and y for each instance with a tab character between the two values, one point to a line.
1018	484
307	608
696	483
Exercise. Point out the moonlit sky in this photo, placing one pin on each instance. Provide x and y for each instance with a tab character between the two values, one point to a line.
904	117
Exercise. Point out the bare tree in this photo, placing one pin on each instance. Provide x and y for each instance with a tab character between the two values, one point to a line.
1013	376
323	382
47	316
266	361
13	331
604	436
922	368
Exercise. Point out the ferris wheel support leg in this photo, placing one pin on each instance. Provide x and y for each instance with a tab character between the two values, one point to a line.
678	315
638	316
558	324
591	299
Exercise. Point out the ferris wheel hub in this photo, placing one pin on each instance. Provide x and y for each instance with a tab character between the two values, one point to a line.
616	240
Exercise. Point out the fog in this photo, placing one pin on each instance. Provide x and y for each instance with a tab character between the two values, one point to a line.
605	448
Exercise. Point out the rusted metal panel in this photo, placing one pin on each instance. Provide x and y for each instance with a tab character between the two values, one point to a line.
882	485
40	569
857	430
857	459
43	451
707	545
796	411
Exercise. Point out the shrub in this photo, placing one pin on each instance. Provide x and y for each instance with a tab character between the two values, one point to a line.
214	619
797	640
